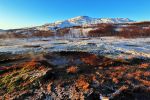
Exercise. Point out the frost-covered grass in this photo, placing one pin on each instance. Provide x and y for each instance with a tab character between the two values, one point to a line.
109	46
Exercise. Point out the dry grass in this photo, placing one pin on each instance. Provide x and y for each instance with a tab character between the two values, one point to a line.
109	75
72	69
91	60
82	83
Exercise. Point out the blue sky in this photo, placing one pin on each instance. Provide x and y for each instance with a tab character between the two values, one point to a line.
23	13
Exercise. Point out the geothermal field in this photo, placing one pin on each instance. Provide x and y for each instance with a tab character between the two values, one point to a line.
97	68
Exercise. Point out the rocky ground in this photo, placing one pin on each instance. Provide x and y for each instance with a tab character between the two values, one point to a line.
70	75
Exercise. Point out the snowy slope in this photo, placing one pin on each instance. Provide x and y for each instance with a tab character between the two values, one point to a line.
81	21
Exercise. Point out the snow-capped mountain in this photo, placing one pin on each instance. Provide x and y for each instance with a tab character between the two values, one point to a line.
81	21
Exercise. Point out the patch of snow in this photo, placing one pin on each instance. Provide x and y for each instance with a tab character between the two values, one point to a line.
108	46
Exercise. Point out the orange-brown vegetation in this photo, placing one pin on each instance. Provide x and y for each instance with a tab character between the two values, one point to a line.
102	30
134	31
72	69
49	87
62	32
144	65
144	23
115	80
42	34
96	75
27	34
31	65
91	59
82	83
130	31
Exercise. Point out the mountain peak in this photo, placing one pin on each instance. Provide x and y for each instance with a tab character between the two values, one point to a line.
80	18
84	20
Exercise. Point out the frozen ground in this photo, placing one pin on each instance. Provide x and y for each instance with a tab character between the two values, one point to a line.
74	75
108	46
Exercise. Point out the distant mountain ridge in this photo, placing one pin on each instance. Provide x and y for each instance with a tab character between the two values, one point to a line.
1	30
81	21
76	21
